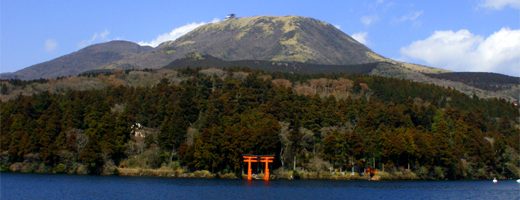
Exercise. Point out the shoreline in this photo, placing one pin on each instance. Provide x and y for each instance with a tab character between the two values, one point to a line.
204	174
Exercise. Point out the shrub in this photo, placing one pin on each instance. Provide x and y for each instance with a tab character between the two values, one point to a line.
423	172
283	173
203	174
228	176
60	168
82	169
109	168
439	172
16	167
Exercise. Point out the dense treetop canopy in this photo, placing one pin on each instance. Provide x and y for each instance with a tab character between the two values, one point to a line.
205	119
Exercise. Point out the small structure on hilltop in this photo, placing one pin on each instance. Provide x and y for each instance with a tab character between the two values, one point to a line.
231	16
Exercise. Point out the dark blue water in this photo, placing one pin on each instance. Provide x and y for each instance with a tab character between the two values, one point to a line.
35	186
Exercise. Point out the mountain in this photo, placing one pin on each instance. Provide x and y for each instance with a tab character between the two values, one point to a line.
281	39
288	44
286	39
89	58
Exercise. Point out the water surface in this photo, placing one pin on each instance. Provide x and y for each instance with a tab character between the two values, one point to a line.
38	186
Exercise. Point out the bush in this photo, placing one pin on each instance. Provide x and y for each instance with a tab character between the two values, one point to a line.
283	173
72	169
318	165
109	168
60	168
149	159
41	168
439	172
16	167
228	176
423	172
203	174
382	175
172	165
405	174
82	169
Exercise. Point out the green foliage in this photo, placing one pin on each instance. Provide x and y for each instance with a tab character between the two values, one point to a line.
206	122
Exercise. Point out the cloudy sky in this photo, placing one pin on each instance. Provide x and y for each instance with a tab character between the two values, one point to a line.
462	35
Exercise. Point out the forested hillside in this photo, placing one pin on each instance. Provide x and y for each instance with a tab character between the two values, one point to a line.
205	119
482	80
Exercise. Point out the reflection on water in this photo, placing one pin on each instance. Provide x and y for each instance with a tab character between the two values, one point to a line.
35	186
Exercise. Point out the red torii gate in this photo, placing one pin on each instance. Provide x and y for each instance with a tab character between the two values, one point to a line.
254	158
249	159
266	160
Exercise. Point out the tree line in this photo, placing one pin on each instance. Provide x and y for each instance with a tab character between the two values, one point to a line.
309	122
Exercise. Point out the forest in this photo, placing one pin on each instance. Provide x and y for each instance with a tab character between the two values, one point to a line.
207	118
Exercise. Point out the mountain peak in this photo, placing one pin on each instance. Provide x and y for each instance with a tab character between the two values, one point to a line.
285	38
267	38
289	23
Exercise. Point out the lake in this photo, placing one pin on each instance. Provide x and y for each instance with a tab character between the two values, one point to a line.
41	186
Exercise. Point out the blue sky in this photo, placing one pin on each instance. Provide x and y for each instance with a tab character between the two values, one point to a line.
462	35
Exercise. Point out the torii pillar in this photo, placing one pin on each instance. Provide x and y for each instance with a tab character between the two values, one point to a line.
266	160
249	160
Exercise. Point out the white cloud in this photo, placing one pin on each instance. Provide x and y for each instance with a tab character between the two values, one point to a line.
361	37
499	4
464	51
369	19
175	33
50	45
96	38
412	16
337	26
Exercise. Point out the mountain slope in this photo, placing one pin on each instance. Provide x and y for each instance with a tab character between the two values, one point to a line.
288	44
195	60
287	38
484	85
482	80
89	58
